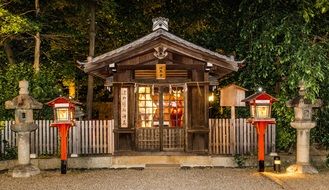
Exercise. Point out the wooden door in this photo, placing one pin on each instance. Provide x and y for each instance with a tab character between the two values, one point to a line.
160	118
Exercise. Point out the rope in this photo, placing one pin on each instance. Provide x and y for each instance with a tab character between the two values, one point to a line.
159	84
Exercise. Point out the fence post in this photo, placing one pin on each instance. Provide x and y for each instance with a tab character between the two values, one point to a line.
232	131
209	138
75	139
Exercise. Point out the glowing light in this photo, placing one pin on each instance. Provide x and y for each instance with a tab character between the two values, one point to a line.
146	106
211	98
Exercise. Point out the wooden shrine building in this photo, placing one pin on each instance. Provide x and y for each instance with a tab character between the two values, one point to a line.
160	84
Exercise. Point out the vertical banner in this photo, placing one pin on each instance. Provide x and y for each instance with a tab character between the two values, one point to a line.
160	71
124	107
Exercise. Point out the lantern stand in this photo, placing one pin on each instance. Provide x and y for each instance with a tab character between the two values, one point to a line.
276	162
64	110
260	111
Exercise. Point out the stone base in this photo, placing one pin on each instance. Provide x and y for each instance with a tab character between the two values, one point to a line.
24	171
302	168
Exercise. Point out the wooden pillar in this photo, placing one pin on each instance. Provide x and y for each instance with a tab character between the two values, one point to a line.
161	117
116	115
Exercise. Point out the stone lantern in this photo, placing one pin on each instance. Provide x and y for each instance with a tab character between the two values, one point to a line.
24	124
303	123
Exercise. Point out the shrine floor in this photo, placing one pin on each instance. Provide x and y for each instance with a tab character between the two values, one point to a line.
166	178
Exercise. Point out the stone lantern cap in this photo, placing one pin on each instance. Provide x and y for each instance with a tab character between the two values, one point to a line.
24	105
302	106
23	100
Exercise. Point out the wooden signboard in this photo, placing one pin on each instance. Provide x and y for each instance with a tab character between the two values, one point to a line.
232	95
160	71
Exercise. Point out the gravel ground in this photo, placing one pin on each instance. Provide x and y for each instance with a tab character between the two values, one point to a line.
302	181
167	178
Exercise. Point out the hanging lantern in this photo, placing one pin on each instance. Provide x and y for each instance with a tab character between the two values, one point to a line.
211	98
260	105
108	83
64	110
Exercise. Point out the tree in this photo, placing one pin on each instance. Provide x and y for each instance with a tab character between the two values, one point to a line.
282	47
92	35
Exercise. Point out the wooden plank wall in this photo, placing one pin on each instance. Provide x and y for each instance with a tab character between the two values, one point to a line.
87	137
97	137
245	141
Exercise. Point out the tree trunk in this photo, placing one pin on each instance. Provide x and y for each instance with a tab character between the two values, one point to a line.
37	7
36	64
92	34
9	52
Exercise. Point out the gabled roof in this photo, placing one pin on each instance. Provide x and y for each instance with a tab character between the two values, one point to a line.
62	99
154	39
261	96
234	85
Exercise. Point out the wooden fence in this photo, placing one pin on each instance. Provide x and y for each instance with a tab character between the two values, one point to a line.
87	137
96	137
241	139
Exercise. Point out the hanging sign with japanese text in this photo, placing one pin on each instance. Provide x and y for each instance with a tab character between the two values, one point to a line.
124	107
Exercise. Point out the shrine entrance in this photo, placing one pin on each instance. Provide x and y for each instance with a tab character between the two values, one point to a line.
160	121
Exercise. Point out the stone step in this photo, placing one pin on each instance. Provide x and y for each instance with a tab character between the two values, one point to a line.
162	165
136	166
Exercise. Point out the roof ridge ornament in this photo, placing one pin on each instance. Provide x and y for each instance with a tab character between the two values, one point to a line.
160	22
160	52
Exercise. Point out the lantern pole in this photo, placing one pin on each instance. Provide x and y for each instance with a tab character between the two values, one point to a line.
63	130
261	126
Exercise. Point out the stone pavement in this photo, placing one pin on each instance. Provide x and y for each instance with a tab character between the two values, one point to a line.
166	178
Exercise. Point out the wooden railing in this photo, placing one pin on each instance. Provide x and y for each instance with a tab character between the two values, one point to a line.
96	137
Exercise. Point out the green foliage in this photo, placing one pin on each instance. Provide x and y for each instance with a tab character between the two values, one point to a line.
282	47
11	24
240	160
43	86
10	153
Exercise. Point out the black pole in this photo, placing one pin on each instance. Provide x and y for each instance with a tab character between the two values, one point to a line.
277	164
63	166
261	166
